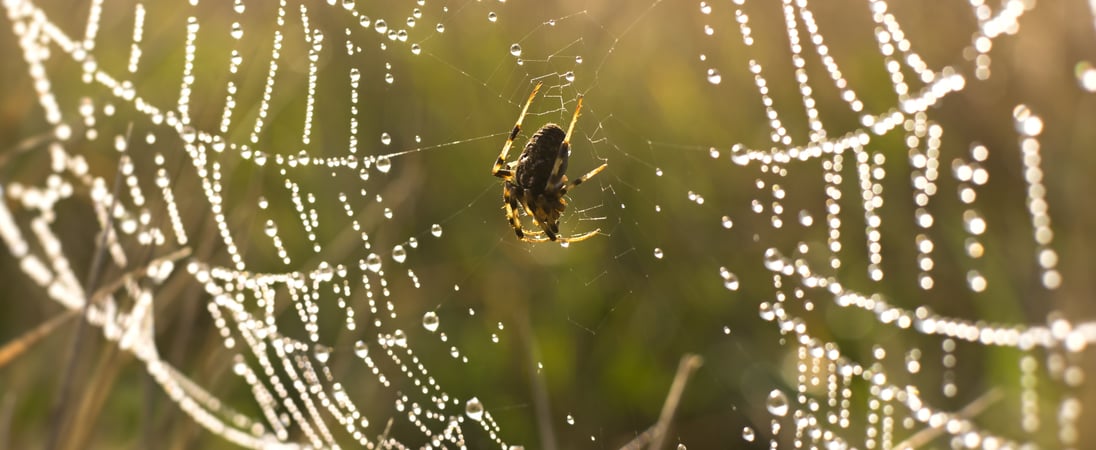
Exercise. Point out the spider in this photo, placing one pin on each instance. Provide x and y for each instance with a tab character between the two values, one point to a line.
536	182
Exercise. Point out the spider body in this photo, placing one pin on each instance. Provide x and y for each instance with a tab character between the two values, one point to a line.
537	182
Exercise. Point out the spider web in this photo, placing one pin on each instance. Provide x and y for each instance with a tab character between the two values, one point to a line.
845	209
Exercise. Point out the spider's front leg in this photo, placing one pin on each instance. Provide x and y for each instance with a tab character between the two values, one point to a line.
501	169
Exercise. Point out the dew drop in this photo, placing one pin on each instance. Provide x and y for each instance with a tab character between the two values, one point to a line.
430	321
515	49
774	261
400	338
435	230
492	17
373	262
348	4
389	78
361	349
440	28
705	8
323	353
805	218
570	420
474	409
777	403
658	172
748	434
399	254
578	59
569	76
271	228
727	223
714	77
658	253
415	49
386	138
384	164
730	280
364	21
380	26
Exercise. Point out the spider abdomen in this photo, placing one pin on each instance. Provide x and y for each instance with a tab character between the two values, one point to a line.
539	158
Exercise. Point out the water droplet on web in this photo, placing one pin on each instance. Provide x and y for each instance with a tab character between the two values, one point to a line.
380	26
384	164
765	311
402	34
237	31
774	261
658	172
415	49
730	280
705	8
348	4
491	17
435	230
399	254
658	253
494	338
389	78
515	50
400	338
713	152
570	420
748	434
440	28
569	76
387	213
322	353
805	218
1086	75
726	330
727	223
708	30
578	59
777	403
364	21
681	447
361	349
373	262
714	77
414	243
474	409
189	135
430	321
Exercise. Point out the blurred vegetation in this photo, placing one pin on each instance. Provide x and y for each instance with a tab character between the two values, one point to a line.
605	320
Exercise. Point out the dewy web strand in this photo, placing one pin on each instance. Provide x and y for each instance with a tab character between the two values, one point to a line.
317	296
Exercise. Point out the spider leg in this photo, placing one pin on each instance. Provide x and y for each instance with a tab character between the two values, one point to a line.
578	237
582	179
564	149
561	239
498	170
510	204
